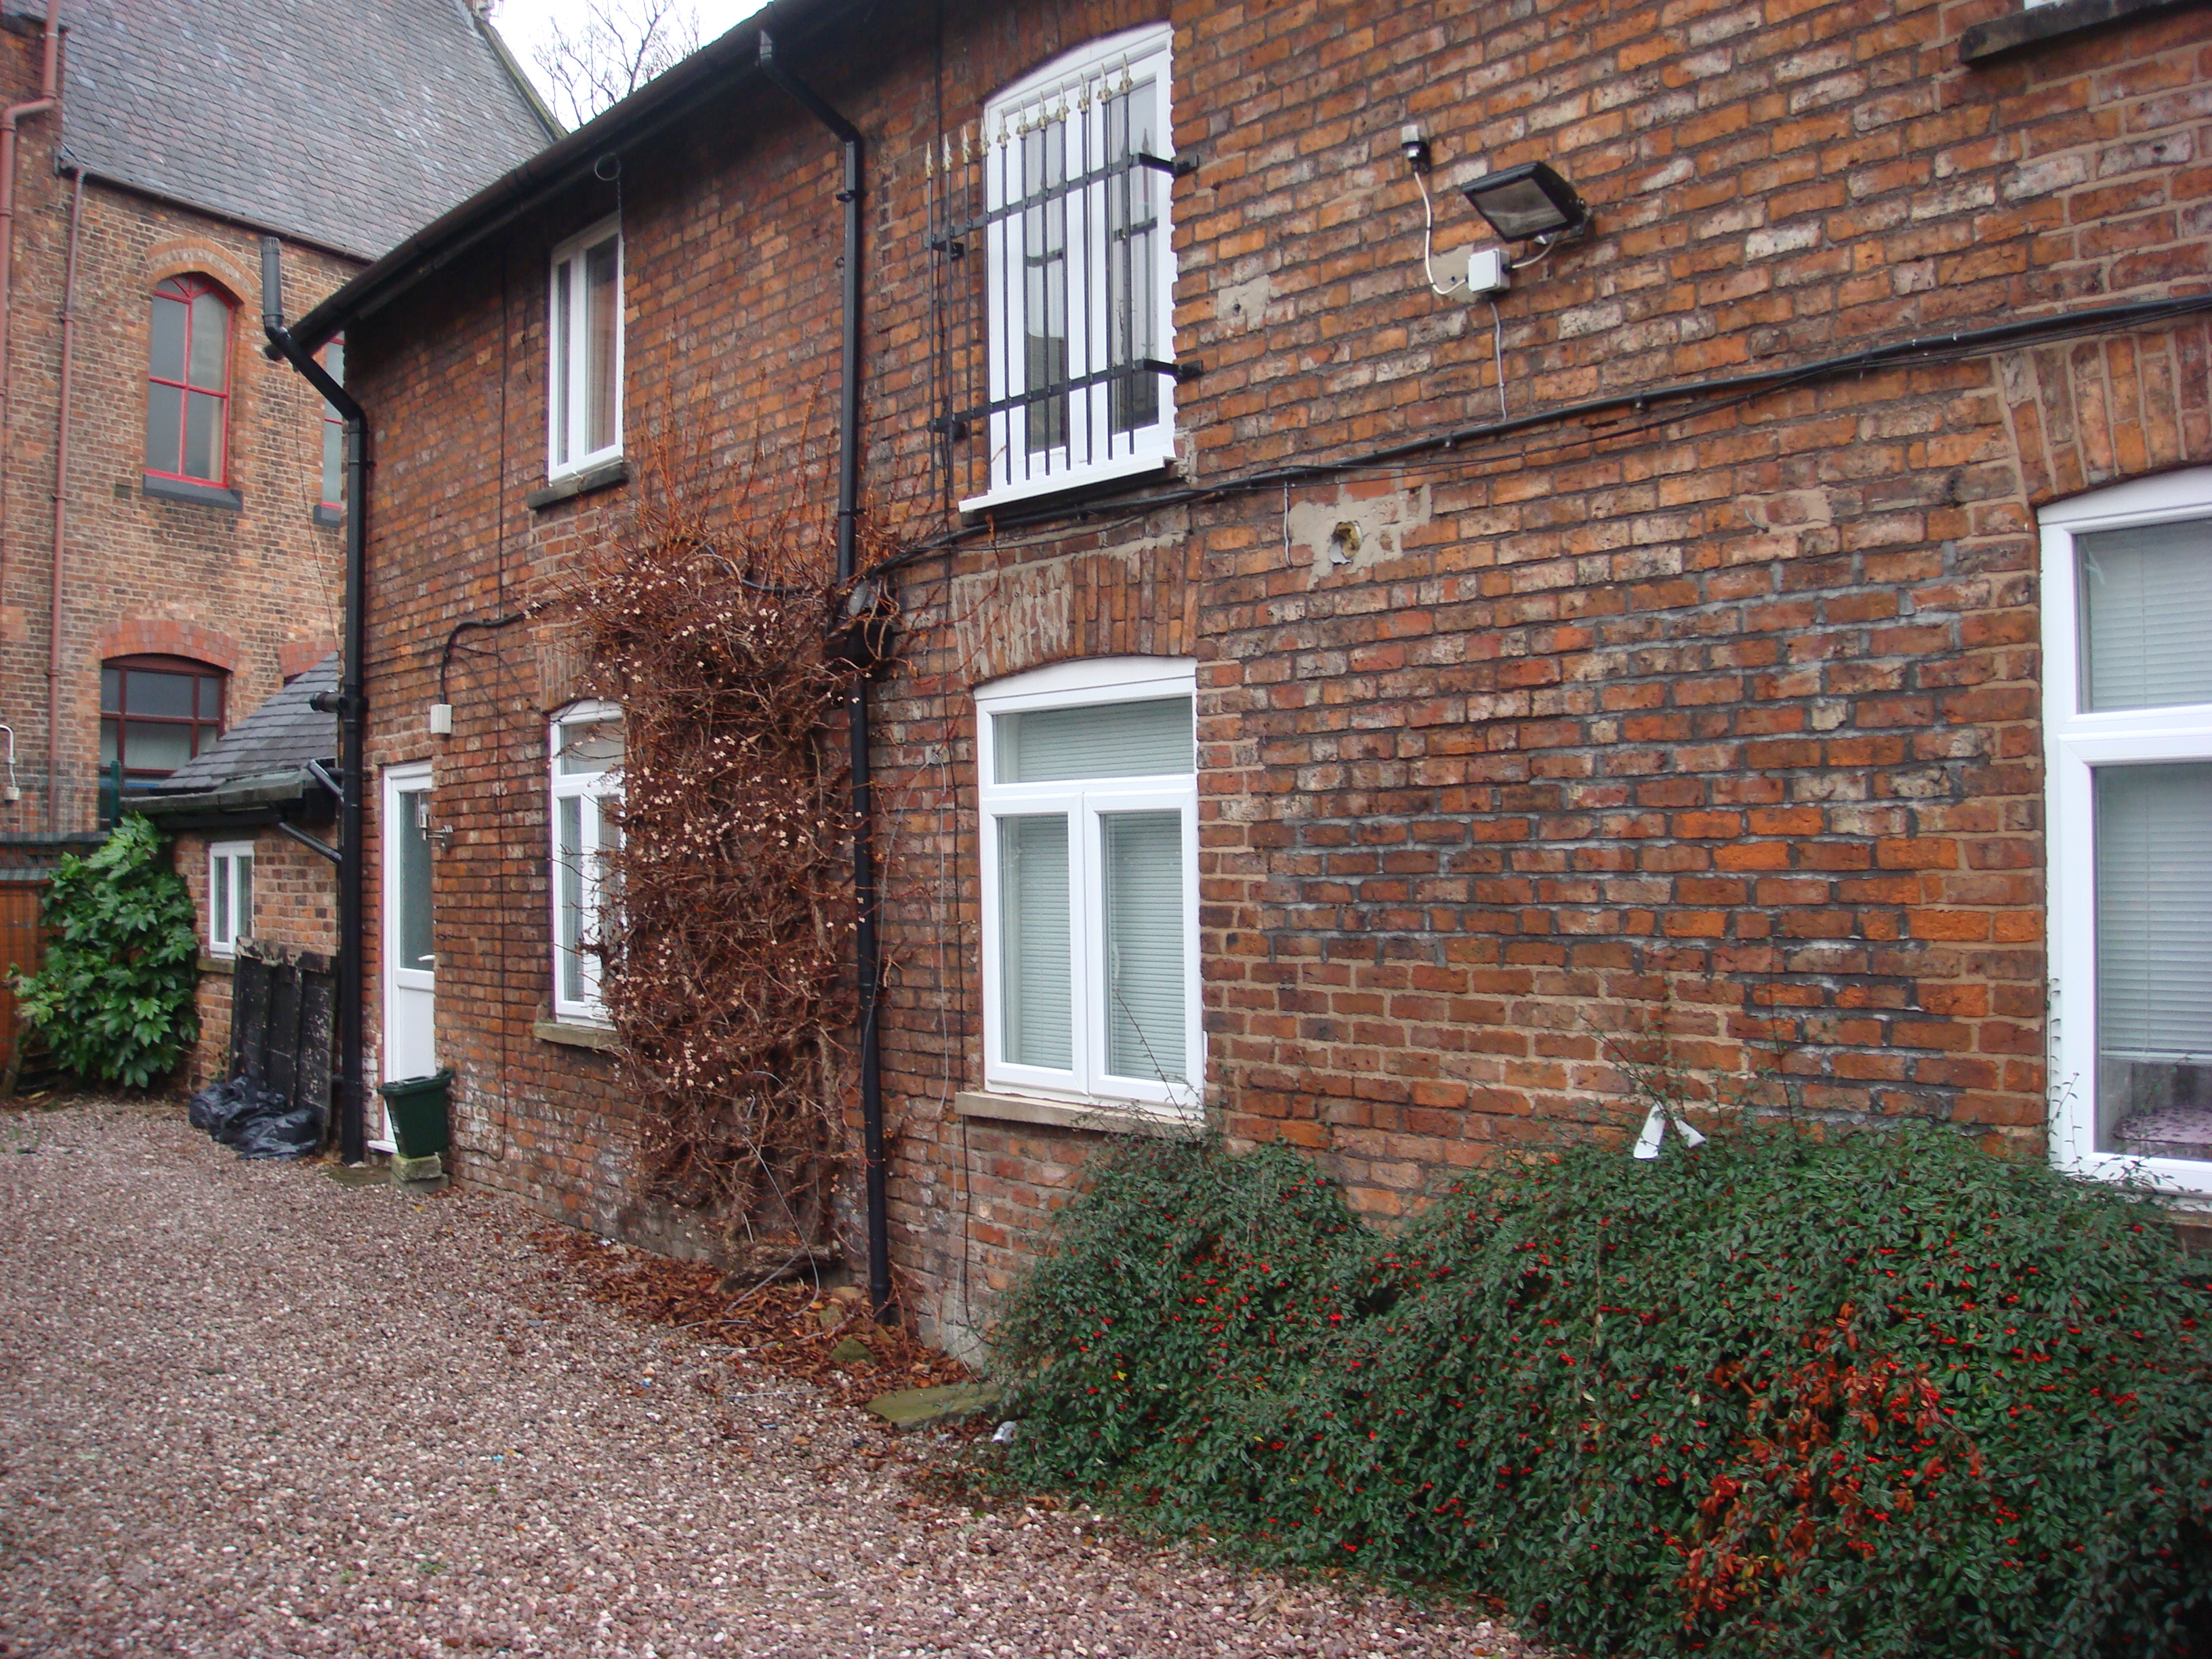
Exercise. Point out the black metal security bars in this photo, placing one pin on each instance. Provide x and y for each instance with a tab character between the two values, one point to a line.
1051	342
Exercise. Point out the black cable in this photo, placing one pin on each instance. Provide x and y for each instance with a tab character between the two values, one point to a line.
1757	383
486	624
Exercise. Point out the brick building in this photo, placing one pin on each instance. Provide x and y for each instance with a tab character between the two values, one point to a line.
1327	696
170	501
246	814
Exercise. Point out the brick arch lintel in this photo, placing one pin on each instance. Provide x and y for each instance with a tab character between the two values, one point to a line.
2091	412
194	256
160	637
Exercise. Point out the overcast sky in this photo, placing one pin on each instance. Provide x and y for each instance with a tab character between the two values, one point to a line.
524	22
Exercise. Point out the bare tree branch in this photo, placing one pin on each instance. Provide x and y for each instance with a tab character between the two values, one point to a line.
617	48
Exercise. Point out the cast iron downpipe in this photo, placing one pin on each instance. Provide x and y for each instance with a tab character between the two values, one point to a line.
352	708
867	965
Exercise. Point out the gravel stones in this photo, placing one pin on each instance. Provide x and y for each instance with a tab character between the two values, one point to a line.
246	1410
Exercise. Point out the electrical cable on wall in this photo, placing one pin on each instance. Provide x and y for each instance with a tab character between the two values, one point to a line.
1457	290
1498	356
1443	451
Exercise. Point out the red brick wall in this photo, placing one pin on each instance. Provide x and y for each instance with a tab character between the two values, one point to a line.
1730	704
254	580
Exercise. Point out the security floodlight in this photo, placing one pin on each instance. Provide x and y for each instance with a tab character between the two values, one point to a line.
1529	203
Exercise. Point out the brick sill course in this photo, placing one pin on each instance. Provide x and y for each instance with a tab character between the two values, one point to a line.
605	475
2033	24
1071	1115
574	1037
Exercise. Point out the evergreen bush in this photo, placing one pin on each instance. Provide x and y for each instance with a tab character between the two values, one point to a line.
1889	1395
114	997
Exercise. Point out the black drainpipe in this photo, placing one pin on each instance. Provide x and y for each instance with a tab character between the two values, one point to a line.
867	966
350	706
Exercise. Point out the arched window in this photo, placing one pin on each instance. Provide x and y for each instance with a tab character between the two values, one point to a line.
1088	781
2127	711
1078	270
156	712
188	382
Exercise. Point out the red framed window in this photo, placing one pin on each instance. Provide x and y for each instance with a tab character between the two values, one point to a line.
156	712
334	431
188	382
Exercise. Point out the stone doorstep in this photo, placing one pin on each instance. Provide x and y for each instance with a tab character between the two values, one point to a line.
415	1174
911	1410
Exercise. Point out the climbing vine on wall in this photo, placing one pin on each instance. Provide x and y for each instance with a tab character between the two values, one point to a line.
728	939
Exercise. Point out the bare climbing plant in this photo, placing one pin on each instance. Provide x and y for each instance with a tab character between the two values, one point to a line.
727	945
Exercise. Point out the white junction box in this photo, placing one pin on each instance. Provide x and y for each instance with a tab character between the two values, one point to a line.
1486	273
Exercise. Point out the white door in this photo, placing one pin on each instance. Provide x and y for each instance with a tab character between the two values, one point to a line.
410	995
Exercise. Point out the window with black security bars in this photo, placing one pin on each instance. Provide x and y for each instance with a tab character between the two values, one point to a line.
1054	279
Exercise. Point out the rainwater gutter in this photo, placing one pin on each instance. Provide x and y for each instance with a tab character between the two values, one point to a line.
867	946
349	704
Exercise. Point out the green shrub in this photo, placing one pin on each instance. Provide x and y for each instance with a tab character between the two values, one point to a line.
114	1000
1885	1396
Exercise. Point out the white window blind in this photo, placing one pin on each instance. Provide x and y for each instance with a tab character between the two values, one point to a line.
2153	829
1145	969
2147	615
1149	739
1038	1000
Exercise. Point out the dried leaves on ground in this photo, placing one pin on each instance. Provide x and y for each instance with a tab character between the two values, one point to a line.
790	1328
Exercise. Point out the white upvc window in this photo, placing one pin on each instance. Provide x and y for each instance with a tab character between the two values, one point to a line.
230	895
583	379
1079	163
1088	795
2127	653
587	766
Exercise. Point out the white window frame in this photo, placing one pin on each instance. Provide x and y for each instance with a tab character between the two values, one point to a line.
1064	87
1108	680
2076	741
577	413
224	945
593	789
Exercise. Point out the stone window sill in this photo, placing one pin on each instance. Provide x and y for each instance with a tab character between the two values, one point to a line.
2031	25
218	964
184	489
570	1036
605	475
331	518
1124	1120
1070	489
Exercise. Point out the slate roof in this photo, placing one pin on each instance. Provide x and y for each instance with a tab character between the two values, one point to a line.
343	122
280	736
718	71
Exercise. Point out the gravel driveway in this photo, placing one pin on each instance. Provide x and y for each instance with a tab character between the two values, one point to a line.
244	1410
